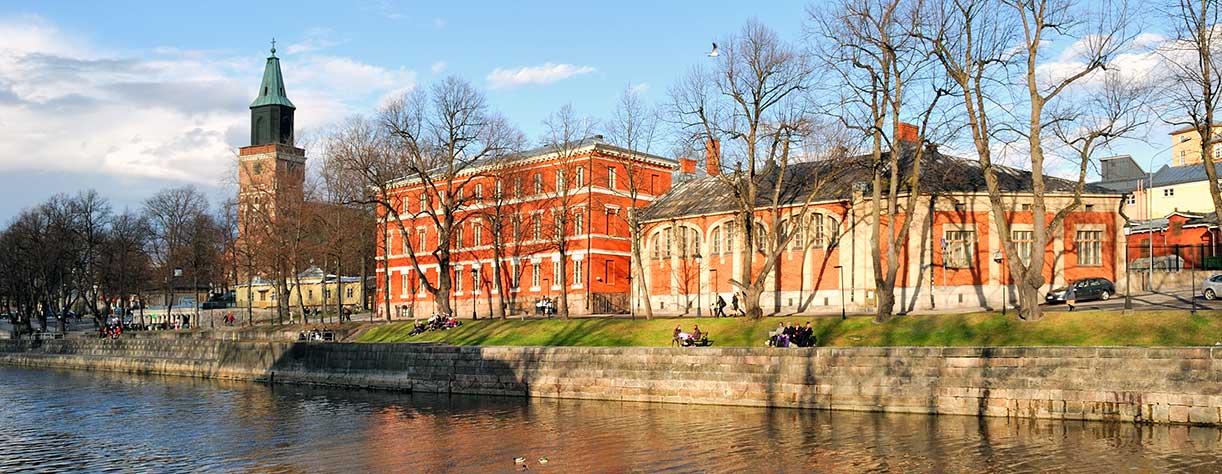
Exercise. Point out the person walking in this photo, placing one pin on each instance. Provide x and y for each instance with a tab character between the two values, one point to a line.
721	308
734	304
1071	297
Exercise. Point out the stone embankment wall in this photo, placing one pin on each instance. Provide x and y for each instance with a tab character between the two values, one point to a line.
1162	385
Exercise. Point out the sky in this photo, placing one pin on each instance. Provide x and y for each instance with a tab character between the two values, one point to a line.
131	97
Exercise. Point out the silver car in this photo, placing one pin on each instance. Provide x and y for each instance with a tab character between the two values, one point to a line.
1212	287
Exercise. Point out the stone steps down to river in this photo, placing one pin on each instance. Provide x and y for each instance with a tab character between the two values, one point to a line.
1163	385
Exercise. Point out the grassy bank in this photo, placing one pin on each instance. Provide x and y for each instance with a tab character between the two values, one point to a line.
1088	328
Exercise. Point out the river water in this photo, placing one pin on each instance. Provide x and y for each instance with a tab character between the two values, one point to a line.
64	421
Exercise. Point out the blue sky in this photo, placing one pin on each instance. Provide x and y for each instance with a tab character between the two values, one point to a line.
130	97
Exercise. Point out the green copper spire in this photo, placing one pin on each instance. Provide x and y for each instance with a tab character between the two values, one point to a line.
271	92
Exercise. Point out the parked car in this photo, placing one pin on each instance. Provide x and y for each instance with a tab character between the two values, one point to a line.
1084	290
1212	287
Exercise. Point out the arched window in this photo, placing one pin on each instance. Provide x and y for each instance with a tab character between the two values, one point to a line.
715	241
654	246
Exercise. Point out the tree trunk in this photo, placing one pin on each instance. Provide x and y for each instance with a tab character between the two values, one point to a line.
638	268
564	288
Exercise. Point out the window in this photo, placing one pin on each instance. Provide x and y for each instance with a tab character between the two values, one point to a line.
655	247
579	176
959	248
729	247
349	292
653	179
579	223
1090	247
1132	198
406	242
326	293
498	189
715	241
424	202
1022	243
689	242
1025	206
458	238
560	180
608	266
517	229
458	280
610	177
477	235
538	183
558	226
423	234
1090	208
557	277
1183	155
479	191
577	274
534	275
1169	192
515	275
536	223
669	235
309	294
404	281
475	271
517	186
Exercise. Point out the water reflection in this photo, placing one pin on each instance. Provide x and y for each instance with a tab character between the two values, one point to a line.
75	421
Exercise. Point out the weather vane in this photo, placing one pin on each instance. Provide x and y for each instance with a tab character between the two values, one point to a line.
273	45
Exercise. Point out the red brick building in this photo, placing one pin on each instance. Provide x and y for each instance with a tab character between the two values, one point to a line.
948	260
516	202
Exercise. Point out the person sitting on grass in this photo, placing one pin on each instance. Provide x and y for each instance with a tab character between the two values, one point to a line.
695	337
674	337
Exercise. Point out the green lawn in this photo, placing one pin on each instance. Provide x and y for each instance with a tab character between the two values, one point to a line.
1086	328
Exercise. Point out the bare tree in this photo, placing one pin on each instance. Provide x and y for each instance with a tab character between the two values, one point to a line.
440	141
883	71
1196	78
975	42
564	136
633	127
752	97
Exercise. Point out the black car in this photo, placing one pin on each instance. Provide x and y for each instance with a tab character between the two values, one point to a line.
1084	290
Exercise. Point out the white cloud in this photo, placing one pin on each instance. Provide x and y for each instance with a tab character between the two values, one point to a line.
547	73
438	67
315	39
638	89
163	114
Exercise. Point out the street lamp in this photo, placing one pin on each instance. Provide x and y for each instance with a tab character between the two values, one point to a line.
713	297
1005	289
698	289
840	274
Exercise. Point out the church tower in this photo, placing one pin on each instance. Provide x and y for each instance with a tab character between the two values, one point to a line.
271	171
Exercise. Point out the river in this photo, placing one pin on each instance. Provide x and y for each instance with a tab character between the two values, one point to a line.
64	421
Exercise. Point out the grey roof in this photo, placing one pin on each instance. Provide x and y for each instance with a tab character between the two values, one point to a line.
595	140
1172	175
1125	186
1147	225
1207	220
833	180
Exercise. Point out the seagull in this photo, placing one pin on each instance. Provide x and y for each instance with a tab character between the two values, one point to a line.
713	53
543	460
519	460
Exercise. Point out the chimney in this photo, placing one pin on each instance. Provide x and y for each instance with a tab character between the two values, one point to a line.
687	166
712	157
909	133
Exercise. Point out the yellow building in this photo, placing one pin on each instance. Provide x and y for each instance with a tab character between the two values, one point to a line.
1186	146
318	290
1179	189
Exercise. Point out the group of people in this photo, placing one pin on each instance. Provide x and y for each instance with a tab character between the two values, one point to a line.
438	322
316	335
686	339
719	307
792	335
545	307
111	329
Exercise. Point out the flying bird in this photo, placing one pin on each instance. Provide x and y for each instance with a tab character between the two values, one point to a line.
713	53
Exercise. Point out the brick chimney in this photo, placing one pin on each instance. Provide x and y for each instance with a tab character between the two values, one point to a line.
712	157
909	133
687	166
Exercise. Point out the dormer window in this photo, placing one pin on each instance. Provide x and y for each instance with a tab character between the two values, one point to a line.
264	91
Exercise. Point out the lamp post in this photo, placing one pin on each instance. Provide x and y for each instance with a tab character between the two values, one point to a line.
840	275
713	297
698	289
1005	289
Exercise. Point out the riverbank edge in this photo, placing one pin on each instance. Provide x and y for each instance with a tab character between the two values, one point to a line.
1143	385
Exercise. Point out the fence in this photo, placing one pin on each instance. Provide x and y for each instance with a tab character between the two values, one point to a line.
1172	268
